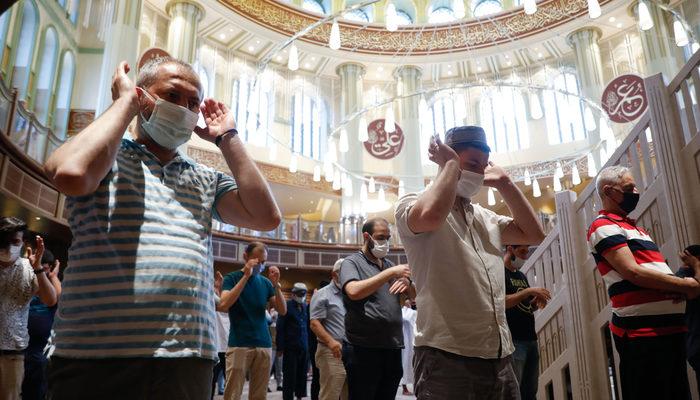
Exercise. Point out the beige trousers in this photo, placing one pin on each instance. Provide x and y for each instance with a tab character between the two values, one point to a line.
334	385
11	375
242	360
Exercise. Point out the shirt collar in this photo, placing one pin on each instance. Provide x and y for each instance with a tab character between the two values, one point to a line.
614	216
129	142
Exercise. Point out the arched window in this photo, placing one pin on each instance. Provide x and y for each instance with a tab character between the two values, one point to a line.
441	14
45	77
486	7
309	122
564	113
252	110
23	60
203	79
314	6
363	14
73	9
446	111
504	118
64	93
403	18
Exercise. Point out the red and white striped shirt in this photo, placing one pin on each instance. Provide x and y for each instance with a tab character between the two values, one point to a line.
637	311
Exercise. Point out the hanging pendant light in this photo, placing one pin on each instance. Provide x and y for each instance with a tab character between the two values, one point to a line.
328	170
343	145
591	165
491	197
381	196
594	9
589	120
293	62
363	192
392	23
535	107
530	7
556	183
458	9
695	47
362	134
559	171
334	40
293	163
317	173
347	190
402	189
372	185
575	177
389	121
679	33
528	181
645	21
337	184
332	155
536	188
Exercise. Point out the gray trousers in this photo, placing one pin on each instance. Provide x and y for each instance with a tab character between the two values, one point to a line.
441	375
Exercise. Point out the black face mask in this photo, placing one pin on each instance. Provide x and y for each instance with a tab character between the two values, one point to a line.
629	201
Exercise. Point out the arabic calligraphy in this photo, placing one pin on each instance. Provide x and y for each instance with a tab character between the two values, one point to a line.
381	144
624	99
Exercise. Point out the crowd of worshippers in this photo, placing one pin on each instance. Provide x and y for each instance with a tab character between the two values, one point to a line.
142	314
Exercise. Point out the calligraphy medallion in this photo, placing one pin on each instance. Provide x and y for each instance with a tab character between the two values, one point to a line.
381	144
624	99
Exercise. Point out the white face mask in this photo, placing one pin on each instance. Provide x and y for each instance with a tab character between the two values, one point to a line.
258	269
517	263
170	125
11	253
469	184
299	299
380	249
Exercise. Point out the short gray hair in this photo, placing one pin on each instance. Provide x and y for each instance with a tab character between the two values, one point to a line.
148	74
610	176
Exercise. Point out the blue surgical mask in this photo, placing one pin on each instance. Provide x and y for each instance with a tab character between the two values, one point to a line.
170	125
258	269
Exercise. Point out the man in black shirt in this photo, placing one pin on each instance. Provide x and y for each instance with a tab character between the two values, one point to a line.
521	302
371	286
691	256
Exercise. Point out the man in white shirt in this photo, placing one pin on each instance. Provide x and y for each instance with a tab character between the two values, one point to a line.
463	345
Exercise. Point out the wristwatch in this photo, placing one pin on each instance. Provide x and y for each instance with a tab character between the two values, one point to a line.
219	138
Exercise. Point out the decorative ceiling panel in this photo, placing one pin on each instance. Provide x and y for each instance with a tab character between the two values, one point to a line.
414	40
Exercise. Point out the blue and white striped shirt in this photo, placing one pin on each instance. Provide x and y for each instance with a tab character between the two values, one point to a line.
139	281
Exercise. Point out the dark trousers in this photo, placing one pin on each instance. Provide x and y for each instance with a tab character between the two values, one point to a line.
35	383
294	367
130	378
653	367
219	368
526	363
373	374
441	375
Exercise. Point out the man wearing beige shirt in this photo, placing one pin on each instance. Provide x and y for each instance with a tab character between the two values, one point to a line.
463	346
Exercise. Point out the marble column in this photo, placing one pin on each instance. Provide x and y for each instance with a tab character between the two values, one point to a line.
182	30
121	41
351	75
408	162
658	44
589	66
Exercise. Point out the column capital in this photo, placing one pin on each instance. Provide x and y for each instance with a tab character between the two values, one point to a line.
408	71
172	3
344	68
591	33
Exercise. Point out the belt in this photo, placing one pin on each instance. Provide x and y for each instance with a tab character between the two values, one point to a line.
10	352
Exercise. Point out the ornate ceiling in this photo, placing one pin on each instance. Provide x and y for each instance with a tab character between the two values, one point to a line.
414	40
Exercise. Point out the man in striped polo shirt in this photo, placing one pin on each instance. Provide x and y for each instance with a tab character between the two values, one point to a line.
136	318
648	318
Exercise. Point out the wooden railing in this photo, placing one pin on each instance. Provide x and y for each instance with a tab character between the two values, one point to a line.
663	154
